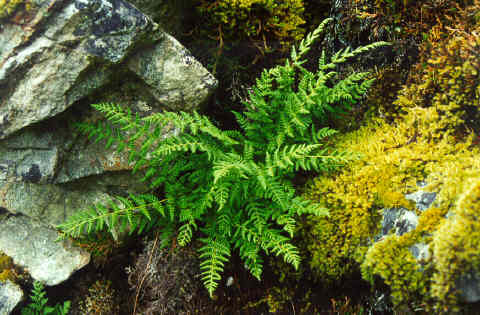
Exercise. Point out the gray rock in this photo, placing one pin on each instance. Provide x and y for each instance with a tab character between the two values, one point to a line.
399	219
469	286
32	245
30	156
60	64
10	295
65	50
420	251
423	199
169	71
52	204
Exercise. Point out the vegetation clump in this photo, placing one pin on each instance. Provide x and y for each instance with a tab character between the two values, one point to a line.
456	246
7	268
260	21
101	299
234	188
434	139
9	7
163	281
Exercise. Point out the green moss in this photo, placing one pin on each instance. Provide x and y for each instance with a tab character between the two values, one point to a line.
433	138
7	268
392	260
8	7
456	245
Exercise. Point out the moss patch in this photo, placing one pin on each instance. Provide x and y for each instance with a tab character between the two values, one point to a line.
434	137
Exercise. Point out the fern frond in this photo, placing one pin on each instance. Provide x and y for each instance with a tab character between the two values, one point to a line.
185	233
288	223
221	193
121	212
214	253
230	163
278	244
305	44
342	55
276	191
224	222
249	252
301	206
118	115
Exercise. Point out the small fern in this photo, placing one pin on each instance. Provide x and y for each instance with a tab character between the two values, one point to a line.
39	303
232	187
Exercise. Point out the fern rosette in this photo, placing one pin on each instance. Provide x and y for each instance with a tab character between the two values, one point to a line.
233	188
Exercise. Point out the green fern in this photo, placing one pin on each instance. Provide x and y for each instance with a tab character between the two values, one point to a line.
39	303
232	187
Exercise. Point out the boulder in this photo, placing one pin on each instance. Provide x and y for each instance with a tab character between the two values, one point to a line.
56	52
400	220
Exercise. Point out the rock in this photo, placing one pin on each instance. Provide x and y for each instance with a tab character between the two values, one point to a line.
399	219
469	287
61	51
10	295
423	199
31	156
60	63
420	251
52	204
169	71
32	245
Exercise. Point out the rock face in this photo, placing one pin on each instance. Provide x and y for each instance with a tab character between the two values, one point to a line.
57	57
61	51
10	296
32	246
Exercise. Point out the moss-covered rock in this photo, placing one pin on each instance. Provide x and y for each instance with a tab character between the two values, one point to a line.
433	138
456	249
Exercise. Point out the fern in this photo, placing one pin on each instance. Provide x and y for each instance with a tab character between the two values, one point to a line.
39	303
231	187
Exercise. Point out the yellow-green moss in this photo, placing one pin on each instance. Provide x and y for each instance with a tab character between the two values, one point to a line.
429	220
434	138
7	269
456	245
8	7
262	21
392	260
